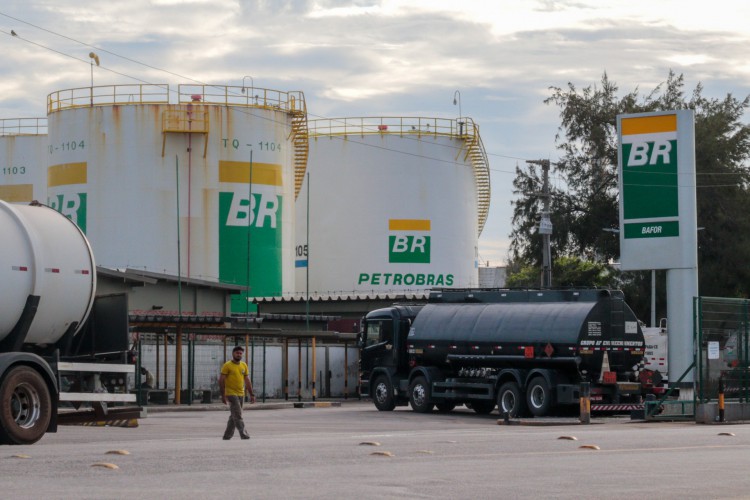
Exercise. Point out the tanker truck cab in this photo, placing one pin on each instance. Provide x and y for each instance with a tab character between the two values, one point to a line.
383	360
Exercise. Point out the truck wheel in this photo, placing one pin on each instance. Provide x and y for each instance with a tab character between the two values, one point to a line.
382	394
445	406
483	406
539	397
25	406
510	400
419	395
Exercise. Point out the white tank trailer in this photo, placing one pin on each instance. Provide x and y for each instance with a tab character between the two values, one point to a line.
395	204
48	283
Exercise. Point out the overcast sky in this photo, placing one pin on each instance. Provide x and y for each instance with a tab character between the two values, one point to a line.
385	58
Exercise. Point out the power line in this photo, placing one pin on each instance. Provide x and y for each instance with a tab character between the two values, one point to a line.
250	113
135	61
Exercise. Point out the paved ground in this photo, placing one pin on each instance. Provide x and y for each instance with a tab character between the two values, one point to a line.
318	452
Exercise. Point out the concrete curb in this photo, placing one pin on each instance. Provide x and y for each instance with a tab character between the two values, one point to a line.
544	423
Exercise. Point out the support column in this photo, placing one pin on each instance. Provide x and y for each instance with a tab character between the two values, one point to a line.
682	286
313	369
178	365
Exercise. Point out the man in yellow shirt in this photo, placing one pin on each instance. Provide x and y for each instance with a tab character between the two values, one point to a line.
233	382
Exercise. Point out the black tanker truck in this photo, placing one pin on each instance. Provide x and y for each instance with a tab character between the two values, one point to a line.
526	351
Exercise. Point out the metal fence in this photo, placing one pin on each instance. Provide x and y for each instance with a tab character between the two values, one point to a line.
336	367
721	340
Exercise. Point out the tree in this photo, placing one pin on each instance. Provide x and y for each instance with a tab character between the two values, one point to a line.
570	272
585	196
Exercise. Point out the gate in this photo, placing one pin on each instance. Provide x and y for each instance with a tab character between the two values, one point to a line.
721	349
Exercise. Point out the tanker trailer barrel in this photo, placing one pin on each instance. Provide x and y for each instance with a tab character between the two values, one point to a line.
566	334
48	266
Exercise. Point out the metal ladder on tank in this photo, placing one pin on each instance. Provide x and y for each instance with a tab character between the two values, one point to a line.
301	140
476	154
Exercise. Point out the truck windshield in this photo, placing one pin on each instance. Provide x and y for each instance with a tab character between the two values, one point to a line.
378	332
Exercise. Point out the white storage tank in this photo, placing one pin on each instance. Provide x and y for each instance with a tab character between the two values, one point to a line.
45	255
395	204
23	159
119	154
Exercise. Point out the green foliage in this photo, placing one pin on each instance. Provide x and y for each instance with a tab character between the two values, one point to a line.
524	276
585	190
567	272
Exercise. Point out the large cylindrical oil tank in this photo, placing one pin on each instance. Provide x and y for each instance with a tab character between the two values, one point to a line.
23	159
395	204
44	255
165	187
528	334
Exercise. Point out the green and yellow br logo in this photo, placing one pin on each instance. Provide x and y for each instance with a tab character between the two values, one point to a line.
650	176
66	191
250	229
409	241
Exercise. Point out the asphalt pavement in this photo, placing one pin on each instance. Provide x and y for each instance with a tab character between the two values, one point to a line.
351	450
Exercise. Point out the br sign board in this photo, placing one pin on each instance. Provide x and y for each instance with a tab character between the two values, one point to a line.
657	190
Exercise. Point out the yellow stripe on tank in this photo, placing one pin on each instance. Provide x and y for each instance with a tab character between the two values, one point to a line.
649	125
66	173
408	224
17	193
239	172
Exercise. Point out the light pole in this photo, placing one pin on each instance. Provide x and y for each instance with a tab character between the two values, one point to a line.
93	59
457	100
252	85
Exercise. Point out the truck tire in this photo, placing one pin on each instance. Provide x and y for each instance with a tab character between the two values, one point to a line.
445	406
539	397
25	406
419	395
382	394
482	406
511	400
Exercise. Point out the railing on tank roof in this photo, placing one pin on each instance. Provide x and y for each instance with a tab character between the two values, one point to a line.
462	128
107	95
255	97
23	126
392	125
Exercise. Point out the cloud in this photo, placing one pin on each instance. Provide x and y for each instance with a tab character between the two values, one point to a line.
383	57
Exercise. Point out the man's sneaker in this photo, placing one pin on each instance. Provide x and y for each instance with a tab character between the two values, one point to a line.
246	436
226	438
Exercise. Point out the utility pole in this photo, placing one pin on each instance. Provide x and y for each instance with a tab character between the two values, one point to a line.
545	224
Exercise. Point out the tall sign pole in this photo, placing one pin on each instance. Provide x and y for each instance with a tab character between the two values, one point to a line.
658	219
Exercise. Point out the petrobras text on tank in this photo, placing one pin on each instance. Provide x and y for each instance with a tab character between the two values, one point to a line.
405	279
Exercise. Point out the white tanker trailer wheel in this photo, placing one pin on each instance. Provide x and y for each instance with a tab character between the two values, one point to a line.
25	406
